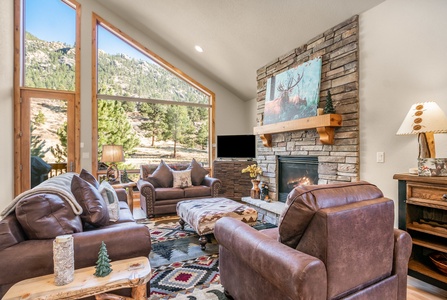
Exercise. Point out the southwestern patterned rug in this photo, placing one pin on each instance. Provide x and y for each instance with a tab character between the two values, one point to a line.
180	269
171	244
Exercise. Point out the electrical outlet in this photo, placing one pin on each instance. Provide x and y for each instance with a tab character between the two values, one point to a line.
380	157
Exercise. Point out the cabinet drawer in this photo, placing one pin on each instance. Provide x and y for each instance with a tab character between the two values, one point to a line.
427	194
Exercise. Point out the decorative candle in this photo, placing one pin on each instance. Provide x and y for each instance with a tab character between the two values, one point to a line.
63	258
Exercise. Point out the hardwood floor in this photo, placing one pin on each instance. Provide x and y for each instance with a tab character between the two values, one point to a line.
416	289
419	290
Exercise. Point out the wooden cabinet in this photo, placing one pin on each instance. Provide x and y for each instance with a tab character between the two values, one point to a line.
235	184
423	214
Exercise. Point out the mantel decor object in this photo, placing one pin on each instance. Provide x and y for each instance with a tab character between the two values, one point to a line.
254	170
264	192
255	191
112	154
432	167
329	107
63	258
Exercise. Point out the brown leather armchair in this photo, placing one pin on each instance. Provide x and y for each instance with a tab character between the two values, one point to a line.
333	242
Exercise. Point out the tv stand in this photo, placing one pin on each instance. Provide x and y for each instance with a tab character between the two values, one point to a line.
235	184
235	159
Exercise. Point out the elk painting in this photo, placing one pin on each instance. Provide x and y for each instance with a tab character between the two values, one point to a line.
293	94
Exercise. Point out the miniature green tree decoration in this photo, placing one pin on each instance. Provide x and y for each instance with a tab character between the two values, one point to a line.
103	266
125	177
329	108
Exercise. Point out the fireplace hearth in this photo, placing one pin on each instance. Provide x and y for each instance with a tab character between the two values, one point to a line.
294	171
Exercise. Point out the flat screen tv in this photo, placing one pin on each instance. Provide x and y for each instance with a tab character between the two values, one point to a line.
236	146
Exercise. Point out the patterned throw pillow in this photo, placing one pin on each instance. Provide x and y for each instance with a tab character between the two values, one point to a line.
109	195
182	179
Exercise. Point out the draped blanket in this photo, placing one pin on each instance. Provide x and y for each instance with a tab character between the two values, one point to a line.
59	185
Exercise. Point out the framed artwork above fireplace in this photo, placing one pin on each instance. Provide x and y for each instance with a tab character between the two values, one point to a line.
293	94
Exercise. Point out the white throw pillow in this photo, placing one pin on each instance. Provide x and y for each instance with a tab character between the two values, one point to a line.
109	195
182	179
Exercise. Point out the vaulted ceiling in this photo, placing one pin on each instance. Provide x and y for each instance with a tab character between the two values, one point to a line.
238	36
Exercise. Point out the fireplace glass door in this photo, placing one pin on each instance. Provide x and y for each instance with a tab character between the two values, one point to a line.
295	171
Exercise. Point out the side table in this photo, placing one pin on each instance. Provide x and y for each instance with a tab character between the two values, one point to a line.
128	186
133	273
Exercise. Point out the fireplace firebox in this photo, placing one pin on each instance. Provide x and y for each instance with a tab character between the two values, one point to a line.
294	171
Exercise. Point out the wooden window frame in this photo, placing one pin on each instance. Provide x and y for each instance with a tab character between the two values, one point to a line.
97	20
19	78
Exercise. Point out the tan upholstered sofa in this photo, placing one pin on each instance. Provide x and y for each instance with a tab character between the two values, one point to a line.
333	242
159	193
30	224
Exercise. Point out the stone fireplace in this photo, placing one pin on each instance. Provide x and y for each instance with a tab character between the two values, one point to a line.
294	171
336	162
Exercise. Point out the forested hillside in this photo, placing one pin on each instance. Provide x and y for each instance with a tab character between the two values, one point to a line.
145	130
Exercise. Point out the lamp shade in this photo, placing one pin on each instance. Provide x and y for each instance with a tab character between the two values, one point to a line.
424	117
112	153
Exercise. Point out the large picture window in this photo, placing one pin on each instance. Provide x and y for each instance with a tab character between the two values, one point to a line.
144	104
46	92
49	44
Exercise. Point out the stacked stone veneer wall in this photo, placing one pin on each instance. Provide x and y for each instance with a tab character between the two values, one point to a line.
235	184
338	48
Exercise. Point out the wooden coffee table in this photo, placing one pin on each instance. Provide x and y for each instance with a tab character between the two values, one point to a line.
129	273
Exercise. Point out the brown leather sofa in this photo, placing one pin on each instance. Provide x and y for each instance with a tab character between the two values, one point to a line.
333	242
159	196
26	250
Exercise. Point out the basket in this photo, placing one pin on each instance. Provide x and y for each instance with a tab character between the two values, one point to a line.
440	261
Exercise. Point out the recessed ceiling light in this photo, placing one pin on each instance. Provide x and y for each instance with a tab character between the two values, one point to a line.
198	48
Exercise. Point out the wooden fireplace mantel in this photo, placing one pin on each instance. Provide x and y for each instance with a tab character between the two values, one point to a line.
325	125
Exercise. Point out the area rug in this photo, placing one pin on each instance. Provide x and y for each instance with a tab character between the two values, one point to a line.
180	268
212	291
181	278
166	228
180	249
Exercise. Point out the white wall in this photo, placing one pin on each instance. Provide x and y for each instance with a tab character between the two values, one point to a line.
403	60
251	106
6	101
230	110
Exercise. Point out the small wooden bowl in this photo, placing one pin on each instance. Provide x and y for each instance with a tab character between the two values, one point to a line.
440	261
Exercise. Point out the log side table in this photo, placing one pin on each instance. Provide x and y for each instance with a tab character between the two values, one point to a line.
128	186
133	273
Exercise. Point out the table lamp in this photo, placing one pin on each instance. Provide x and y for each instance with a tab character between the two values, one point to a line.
424	119
112	154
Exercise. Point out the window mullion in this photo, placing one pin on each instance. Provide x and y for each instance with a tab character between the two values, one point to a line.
149	100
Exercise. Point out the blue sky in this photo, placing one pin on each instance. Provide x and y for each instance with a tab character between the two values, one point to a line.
111	44
53	20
